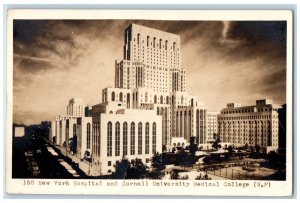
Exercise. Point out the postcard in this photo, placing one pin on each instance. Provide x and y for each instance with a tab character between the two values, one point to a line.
149	102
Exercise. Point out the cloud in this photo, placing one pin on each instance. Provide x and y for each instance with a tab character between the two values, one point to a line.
55	60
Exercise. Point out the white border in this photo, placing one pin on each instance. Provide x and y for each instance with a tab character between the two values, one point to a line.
278	188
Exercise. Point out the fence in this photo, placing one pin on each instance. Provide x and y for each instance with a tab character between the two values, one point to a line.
234	174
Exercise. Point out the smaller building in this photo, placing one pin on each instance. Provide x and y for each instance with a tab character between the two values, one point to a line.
255	125
75	107
123	133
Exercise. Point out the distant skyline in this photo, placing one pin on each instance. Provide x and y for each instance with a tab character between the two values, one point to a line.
56	60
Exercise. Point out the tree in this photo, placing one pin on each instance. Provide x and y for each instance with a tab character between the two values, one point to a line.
137	170
216	144
193	146
158	162
257	148
74	145
121	169
246	147
230	149
134	170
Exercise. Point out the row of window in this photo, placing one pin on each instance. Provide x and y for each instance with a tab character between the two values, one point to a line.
154	42
247	117
132	139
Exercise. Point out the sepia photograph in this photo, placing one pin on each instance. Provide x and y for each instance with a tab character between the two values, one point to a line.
151	102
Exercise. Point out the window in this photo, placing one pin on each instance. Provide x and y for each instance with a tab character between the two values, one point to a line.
125	138
138	38
166	44
109	139
132	138
140	138
88	136
160	43
109	163
147	138
117	140
154	138
147	40
113	96
121	97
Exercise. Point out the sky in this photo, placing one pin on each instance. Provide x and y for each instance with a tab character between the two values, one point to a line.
56	60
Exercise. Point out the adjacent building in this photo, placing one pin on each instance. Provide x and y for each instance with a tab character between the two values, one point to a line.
250	125
73	127
75	107
211	126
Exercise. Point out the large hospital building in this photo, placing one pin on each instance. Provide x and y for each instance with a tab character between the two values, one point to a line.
149	108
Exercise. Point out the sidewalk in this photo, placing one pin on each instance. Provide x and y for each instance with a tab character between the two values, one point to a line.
85	166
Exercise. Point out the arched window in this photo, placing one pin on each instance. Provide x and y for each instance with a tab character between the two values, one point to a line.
181	99
133	99
166	44
155	99
125	138
174	46
147	138
154	41
88	136
121	97
167	100
154	138
148	40
109	139
140	138
132	138
128	101
117	140
201	114
113	96
138	38
192	102
161	99
160	43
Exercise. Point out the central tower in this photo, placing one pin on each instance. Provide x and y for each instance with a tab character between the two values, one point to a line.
151	59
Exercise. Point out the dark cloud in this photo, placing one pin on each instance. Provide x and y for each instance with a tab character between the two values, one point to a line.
267	39
225	61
